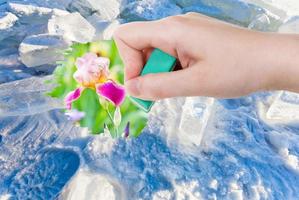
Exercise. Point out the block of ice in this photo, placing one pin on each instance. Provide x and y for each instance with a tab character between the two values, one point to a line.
99	24
33	13
30	13
42	49
237	12
184	122
72	27
27	97
284	108
107	9
7	21
194	118
58	4
291	26
261	23
147	10
281	8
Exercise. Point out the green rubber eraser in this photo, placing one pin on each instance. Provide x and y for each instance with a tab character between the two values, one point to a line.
158	62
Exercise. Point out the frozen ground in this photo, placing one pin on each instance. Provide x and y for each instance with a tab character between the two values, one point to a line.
192	148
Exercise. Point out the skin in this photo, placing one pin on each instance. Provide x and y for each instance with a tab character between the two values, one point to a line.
218	59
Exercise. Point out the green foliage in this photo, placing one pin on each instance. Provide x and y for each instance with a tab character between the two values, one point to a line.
95	114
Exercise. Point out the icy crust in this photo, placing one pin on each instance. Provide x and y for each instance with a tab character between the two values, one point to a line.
222	149
236	160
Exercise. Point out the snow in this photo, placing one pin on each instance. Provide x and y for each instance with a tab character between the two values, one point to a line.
91	186
193	148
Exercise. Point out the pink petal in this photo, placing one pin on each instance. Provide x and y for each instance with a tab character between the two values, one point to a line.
112	92
72	96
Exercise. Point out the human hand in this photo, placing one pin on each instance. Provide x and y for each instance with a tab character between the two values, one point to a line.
218	59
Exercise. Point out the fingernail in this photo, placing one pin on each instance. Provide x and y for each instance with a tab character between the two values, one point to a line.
133	87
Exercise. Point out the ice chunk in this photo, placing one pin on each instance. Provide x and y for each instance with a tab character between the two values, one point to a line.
99	24
148	10
107	9
42	49
32	13
58	4
261	23
183	120
284	108
195	115
281	8
7	21
291	26
73	27
27	97
237	12
91	186
104	28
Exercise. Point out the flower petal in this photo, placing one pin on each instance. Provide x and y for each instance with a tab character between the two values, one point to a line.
72	96
91	70
112	92
75	115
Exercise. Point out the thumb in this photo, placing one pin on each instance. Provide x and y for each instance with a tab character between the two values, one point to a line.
163	85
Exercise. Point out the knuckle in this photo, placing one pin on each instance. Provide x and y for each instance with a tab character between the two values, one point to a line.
175	20
191	14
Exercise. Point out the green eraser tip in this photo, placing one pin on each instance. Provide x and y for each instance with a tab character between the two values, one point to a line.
158	62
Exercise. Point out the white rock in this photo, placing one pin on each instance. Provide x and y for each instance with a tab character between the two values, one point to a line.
42	49
7	21
72	27
291	26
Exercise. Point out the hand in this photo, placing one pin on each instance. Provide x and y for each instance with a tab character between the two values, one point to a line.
218	59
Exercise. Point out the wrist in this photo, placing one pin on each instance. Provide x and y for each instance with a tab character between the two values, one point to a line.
280	55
